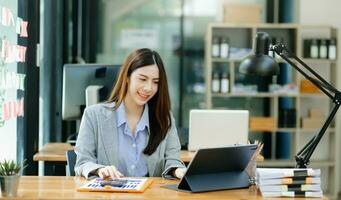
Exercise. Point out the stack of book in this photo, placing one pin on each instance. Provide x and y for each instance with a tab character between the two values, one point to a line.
289	182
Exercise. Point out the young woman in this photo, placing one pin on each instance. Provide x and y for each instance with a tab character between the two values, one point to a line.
133	133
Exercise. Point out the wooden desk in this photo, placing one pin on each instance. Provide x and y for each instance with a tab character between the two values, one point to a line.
61	187
53	156
53	152
57	152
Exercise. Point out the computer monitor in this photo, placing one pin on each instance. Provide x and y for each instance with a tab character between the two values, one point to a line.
77	78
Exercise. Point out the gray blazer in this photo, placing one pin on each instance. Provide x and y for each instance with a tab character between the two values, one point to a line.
97	146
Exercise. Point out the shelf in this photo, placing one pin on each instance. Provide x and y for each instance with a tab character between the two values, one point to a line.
269	103
281	60
319	61
315	130
278	60
306	130
259	94
312	95
289	163
276	130
267	94
227	59
286	129
316	62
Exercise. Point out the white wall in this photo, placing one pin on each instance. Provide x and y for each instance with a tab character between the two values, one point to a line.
323	12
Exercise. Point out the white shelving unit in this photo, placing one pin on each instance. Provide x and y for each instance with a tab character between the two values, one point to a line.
242	36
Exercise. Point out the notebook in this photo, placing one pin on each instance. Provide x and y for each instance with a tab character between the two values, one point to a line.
289	181
269	173
293	194
217	128
293	188
137	185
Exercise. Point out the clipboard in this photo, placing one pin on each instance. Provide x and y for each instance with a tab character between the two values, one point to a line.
217	169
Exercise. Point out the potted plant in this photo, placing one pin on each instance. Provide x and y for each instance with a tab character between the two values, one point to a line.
9	177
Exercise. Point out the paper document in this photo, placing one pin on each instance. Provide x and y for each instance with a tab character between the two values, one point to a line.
117	185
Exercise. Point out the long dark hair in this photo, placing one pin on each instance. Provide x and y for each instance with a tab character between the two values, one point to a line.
159	105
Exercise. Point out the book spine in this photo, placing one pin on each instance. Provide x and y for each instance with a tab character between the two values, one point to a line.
288	173
291	188
290	181
292	194
308	194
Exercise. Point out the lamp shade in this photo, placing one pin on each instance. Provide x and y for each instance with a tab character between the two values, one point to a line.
260	63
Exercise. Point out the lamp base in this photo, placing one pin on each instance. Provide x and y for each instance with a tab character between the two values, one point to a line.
300	163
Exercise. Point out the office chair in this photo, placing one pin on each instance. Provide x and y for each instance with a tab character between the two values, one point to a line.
71	161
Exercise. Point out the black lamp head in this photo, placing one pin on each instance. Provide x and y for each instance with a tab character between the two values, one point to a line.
260	63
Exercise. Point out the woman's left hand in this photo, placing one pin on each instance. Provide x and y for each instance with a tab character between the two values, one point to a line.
179	172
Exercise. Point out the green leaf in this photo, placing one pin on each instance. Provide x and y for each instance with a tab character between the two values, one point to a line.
8	168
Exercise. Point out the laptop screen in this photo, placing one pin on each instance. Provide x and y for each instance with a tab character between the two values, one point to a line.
217	128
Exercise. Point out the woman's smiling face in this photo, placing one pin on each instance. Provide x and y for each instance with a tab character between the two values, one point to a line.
143	84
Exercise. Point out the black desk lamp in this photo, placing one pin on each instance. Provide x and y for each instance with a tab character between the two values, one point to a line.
264	65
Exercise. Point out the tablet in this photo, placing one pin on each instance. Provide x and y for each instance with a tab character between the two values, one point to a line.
217	169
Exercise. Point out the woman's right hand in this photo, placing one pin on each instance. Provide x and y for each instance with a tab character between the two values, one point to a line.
109	171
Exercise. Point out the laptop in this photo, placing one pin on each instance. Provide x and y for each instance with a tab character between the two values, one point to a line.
217	128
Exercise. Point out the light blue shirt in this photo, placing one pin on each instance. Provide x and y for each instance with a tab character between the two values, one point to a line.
130	148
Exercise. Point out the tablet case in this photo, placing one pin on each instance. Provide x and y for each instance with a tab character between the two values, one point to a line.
217	169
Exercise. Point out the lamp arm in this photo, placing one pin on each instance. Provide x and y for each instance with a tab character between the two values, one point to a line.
303	156
319	82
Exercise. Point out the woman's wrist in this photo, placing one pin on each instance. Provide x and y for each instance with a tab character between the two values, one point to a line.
179	172
172	172
95	171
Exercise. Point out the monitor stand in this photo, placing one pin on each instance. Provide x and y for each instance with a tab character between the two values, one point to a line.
73	137
92	94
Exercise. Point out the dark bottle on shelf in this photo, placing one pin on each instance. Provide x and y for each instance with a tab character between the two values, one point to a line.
224	83
306	48
272	42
